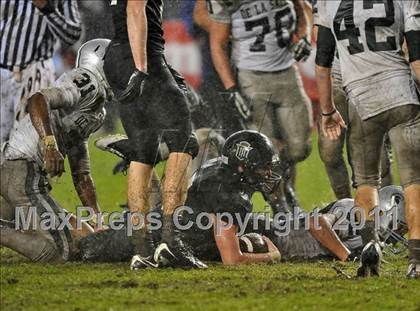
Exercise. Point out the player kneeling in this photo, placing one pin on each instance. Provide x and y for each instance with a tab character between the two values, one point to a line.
59	122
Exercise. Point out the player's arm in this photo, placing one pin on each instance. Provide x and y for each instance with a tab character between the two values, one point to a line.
228	244
39	113
80	171
412	33
301	45
303	24
201	16
219	39
332	122
137	34
65	26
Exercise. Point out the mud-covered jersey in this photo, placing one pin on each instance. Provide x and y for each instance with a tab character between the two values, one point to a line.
261	31
213	191
369	36
76	110
154	10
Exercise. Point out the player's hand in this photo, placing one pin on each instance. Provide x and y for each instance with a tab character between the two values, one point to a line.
301	49
236	101
134	87
53	159
272	249
332	125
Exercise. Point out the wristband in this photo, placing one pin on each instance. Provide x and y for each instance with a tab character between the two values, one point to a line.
49	142
329	114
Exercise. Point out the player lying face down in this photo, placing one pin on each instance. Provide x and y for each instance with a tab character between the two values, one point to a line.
59	122
224	186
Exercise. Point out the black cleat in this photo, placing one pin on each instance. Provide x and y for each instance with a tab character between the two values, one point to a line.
138	262
172	251
370	260
117	144
413	271
177	257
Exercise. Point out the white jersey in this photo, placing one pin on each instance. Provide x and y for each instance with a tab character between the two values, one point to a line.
369	36
76	109
261	32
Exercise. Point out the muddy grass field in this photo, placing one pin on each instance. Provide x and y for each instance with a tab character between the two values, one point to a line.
288	286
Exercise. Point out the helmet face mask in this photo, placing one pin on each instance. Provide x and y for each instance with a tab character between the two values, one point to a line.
262	179
392	222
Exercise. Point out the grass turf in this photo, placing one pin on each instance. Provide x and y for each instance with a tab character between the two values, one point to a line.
308	286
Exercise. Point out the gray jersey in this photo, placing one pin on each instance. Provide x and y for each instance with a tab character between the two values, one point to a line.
369	36
76	109
261	31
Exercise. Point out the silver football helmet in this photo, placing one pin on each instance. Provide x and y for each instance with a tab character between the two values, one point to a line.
392	222
91	55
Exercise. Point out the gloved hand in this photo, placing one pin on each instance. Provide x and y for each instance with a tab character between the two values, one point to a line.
302	49
134	87
236	101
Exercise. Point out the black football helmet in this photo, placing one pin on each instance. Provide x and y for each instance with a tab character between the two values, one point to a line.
251	156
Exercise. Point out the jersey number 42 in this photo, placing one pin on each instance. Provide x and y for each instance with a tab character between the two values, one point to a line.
352	33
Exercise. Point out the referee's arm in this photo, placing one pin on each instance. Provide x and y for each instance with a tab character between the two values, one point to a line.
66	25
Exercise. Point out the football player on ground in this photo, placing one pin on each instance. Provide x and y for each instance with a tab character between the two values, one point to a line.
382	99
59	122
220	191
152	109
267	37
225	186
331	151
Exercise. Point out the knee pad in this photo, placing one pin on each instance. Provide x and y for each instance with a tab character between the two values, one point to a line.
182	143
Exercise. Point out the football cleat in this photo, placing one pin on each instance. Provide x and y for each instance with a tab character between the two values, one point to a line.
116	144
177	257
370	260
138	262
413	271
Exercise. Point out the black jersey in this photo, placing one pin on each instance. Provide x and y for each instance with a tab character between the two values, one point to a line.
154	8
214	191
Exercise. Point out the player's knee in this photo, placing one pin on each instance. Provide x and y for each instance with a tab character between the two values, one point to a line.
148	155
298	150
331	157
181	143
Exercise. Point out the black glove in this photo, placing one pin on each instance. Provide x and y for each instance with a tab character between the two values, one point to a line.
134	87
301	50
179	79
236	101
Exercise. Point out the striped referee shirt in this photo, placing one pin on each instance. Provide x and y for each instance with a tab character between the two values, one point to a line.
28	36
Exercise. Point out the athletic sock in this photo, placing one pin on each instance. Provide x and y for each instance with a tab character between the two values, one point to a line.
414	251
368	232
